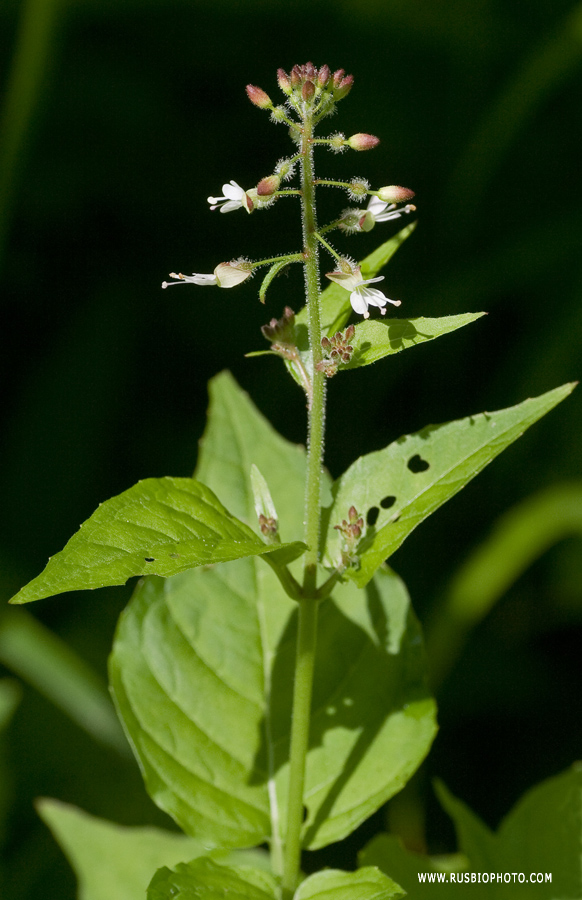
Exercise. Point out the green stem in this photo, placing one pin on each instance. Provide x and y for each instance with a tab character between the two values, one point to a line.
302	690
290	258
307	627
328	247
340	184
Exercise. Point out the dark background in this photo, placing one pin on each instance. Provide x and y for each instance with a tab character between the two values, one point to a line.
133	112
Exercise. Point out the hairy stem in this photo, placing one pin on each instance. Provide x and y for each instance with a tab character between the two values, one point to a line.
307	625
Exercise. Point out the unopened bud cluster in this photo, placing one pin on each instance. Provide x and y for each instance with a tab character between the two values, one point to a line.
268	525
351	531
306	84
338	350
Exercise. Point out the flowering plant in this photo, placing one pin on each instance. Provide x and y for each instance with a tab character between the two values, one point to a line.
269	670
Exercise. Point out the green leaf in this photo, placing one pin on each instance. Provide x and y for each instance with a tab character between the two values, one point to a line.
386	852
203	879
541	835
160	526
335	301
230	631
404	483
376	338
114	862
365	884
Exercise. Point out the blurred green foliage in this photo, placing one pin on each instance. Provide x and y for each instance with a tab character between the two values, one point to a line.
118	120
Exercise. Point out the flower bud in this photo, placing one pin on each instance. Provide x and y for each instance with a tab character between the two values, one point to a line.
308	90
229	274
258	96
281	329
284	81
324	76
363	141
344	87
337	77
268	186
395	194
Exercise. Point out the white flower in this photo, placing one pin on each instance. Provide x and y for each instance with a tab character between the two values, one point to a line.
234	198
384	212
204	280
361	297
226	275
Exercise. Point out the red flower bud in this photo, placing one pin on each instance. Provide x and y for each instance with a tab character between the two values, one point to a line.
284	81
268	186
258	96
344	87
363	141
308	90
324	76
395	194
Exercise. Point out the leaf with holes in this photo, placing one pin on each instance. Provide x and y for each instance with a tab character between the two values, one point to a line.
335	303
398	487
160	526
230	630
376	338
203	879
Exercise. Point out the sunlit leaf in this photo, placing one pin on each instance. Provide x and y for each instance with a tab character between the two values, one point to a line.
397	488
377	338
160	526
203	879
364	884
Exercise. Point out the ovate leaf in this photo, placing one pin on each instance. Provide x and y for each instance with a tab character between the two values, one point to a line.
377	338
203	879
397	488
365	884
202	672
160	526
